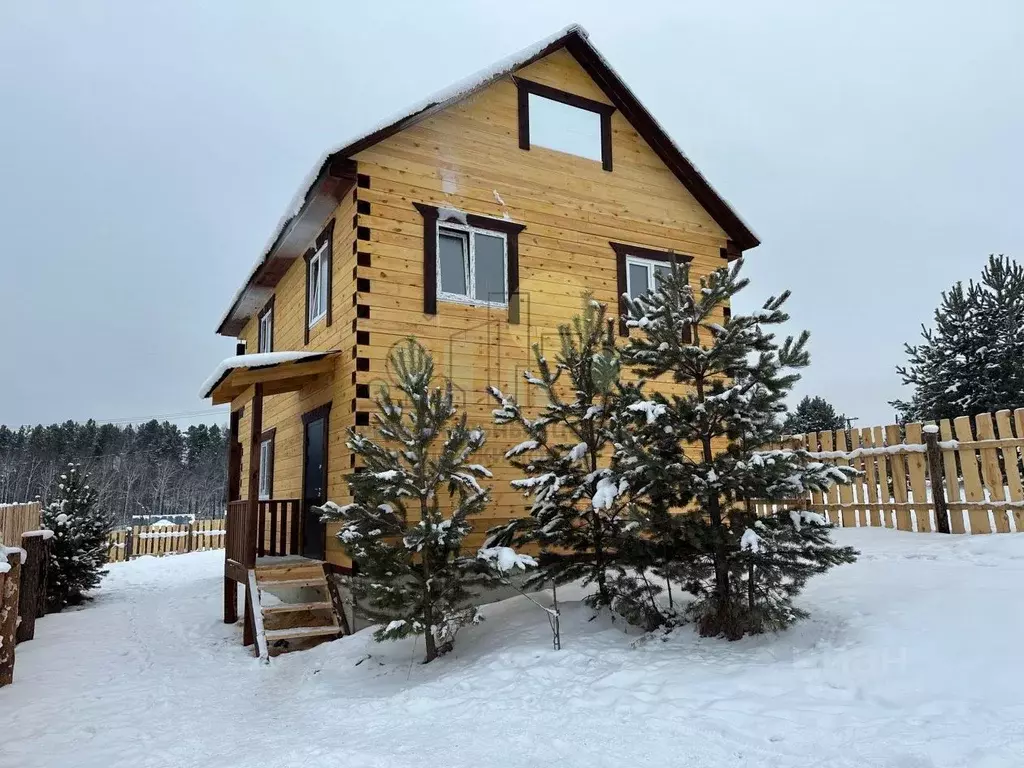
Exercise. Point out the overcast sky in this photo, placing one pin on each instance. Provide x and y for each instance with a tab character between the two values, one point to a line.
147	149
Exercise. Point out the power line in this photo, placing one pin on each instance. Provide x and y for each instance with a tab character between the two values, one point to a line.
180	416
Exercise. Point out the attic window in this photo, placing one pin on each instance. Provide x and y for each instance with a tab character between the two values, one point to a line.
564	122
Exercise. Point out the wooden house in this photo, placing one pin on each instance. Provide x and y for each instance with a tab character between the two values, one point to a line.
474	222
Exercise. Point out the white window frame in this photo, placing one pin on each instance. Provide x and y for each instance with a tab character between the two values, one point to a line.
317	261
265	468
469	232
266	331
649	264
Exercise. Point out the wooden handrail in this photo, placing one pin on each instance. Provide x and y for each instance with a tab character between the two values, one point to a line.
279	527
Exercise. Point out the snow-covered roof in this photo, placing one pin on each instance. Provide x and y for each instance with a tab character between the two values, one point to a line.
576	39
259	360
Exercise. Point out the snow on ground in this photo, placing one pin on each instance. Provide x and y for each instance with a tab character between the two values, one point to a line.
911	659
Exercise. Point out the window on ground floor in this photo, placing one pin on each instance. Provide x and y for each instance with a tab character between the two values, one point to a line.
266	488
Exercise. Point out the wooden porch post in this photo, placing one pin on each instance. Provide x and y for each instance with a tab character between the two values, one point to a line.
232	493
253	499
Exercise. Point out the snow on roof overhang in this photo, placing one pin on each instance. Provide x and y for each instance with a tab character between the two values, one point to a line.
332	165
282	371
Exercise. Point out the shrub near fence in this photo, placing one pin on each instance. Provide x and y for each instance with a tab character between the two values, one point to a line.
139	540
973	465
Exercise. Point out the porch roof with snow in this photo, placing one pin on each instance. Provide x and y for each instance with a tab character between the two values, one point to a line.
277	371
333	176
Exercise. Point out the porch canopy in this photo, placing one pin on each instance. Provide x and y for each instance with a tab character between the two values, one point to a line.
235	378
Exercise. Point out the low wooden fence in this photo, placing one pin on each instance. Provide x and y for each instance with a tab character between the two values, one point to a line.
139	540
966	473
16	519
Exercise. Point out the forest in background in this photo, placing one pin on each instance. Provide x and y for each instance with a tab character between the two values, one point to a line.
155	468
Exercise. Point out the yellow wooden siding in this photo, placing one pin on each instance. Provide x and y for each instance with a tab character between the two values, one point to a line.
467	157
284	412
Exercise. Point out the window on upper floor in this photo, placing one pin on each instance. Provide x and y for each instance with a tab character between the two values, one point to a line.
639	270
643	275
265	341
565	122
469	259
317	281
472	265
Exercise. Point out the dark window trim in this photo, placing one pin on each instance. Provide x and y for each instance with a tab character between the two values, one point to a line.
268	309
526	87
269	435
326	236
622	250
511	230
316	413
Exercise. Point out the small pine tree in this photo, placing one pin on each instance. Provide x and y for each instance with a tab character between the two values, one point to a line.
813	414
411	503
707	450
579	516
772	567
81	531
973	360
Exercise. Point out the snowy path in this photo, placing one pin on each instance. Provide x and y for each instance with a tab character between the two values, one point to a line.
912	659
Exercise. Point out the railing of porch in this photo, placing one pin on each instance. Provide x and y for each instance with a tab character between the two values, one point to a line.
237	546
278	532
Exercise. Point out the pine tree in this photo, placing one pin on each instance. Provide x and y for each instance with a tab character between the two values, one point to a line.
973	360
411	503
78	550
813	414
579	515
707	450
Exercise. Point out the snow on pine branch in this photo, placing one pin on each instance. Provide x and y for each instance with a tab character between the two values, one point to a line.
505	559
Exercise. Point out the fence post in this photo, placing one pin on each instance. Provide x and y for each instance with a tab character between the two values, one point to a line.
8	615
35	544
931	441
128	544
188	539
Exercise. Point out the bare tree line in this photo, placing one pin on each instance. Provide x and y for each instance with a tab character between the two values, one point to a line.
154	468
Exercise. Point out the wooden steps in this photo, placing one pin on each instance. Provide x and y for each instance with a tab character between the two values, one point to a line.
296	632
289	607
271	584
294	604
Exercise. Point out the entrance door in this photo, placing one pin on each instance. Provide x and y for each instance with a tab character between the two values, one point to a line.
314	481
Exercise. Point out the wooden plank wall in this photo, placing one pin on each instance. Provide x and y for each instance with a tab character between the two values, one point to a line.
468	157
16	519
982	475
136	541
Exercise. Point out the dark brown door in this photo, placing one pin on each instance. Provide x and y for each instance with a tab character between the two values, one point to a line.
314	486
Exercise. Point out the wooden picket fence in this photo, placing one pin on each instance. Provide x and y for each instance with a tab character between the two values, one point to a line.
967	474
16	519
138	540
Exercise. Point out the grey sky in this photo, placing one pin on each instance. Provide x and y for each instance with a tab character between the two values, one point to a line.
148	149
